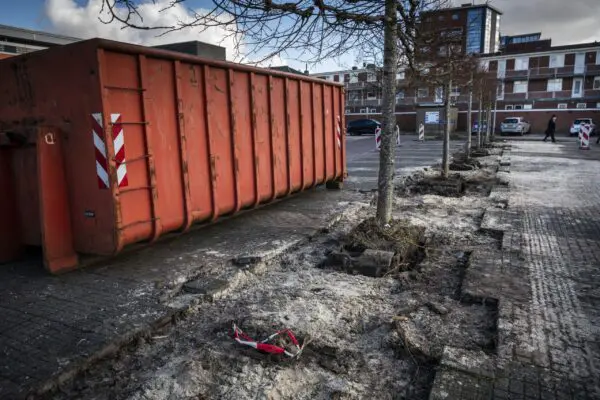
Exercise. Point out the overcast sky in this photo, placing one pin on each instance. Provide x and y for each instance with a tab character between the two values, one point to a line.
563	21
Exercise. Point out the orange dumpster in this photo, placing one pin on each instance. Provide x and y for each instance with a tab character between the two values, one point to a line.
105	144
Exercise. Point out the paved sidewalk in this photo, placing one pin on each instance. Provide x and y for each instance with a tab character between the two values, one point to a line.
546	280
55	325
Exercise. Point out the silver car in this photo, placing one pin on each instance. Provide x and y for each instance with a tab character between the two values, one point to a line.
515	125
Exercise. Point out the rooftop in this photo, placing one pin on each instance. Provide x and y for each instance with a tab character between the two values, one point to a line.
465	6
31	36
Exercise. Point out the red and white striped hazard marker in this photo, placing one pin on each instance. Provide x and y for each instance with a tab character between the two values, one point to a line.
421	132
339	132
101	150
378	137
584	137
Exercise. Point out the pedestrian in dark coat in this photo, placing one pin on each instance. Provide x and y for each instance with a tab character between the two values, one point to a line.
551	129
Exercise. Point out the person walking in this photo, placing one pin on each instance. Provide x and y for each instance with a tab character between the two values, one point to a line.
551	129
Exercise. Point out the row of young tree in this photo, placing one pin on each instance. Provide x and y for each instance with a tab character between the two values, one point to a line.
321	29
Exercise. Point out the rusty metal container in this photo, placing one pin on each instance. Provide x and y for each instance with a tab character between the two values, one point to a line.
105	144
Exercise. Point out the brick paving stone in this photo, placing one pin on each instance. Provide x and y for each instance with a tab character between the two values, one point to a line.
547	282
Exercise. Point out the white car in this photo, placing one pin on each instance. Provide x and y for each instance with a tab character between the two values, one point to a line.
582	121
515	125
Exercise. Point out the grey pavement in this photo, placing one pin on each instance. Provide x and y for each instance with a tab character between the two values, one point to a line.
411	155
545	280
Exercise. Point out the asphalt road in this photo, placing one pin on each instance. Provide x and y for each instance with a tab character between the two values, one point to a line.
411	155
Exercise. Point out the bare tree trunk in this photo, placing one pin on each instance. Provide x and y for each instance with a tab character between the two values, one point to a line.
470	120
446	151
480	119
494	119
387	154
488	117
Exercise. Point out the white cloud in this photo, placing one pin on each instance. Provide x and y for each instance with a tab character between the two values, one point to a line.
84	21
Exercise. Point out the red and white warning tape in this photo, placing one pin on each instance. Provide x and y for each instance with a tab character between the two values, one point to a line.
264	346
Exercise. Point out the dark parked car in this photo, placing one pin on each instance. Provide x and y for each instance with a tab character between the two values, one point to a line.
362	126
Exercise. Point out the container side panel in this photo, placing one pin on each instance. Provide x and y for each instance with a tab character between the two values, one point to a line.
294	134
308	161
243	141
280	164
162	115
124	100
318	133
263	137
11	244
197	144
329	133
220	137
28	198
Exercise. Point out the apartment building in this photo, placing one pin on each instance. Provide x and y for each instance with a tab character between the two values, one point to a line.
536	80
15	41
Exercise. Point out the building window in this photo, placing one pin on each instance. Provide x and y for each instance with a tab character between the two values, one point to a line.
346	77
581	105
474	30
422	92
508	107
441	18
371	96
363	110
597	105
577	87
487	38
497	44
439	94
521	64
353	95
562	106
557	60
527	106
372	110
400	95
555	85
455	91
518	107
520	87
354	77
336	78
455	16
500	91
370	77
400	75
597	83
348	111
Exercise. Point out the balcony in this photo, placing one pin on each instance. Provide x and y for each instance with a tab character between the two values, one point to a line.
542	73
563	95
516	75
565	71
540	95
592	69
515	96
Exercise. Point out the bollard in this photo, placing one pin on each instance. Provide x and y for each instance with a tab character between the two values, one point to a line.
421	133
378	139
584	137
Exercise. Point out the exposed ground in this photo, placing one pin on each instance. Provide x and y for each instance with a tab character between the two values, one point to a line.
365	337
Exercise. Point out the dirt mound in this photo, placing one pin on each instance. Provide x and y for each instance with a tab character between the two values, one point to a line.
405	240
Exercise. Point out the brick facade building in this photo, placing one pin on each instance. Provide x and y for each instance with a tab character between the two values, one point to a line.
535	79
